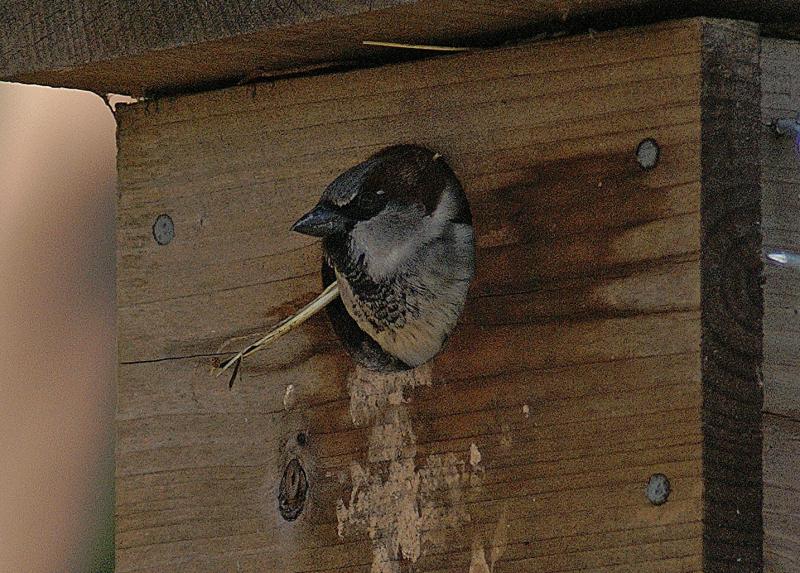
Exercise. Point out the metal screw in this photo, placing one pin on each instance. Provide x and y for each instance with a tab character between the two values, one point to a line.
647	153
786	259
658	489
786	126
163	229
292	491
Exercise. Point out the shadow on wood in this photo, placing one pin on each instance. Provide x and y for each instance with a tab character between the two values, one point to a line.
596	350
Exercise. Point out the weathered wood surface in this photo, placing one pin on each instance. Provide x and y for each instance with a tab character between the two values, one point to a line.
780	167
166	45
577	370
731	297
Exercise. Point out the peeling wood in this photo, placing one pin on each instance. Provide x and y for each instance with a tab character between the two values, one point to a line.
398	505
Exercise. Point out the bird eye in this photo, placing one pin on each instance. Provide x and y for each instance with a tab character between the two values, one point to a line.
368	203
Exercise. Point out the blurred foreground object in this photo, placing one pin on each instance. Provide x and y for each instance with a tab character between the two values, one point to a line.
57	330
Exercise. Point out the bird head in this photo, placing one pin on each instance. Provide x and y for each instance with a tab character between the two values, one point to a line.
385	208
397	236
399	250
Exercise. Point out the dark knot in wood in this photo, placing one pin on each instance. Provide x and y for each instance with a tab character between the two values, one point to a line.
292	491
732	290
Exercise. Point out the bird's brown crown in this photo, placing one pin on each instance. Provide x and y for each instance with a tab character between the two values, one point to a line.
401	175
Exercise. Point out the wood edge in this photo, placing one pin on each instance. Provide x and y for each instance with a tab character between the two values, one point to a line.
150	69
732	297
165	103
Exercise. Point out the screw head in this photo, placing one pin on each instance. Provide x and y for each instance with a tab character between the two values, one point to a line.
163	229
647	153
658	489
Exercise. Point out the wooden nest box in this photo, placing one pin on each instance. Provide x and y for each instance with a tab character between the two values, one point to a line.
623	390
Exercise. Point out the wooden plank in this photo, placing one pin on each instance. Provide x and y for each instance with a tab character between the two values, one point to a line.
732	298
577	370
781	494
780	176
159	46
220	258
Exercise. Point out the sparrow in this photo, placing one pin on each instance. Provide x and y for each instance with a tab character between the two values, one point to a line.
397	237
398	258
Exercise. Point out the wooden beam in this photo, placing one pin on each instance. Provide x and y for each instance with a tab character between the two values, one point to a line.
731	297
160	46
780	176
596	349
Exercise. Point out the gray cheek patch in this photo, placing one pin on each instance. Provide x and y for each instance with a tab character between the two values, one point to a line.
391	238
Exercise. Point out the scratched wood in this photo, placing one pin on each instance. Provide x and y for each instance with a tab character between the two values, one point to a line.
576	372
780	164
158	46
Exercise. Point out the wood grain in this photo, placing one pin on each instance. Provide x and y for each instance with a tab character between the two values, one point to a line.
781	493
732	299
577	371
159	46
780	179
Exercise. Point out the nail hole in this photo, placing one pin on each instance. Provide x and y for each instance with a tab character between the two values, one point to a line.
302	439
647	153
163	229
658	489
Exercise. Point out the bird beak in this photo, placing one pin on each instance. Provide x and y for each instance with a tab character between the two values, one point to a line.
321	221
